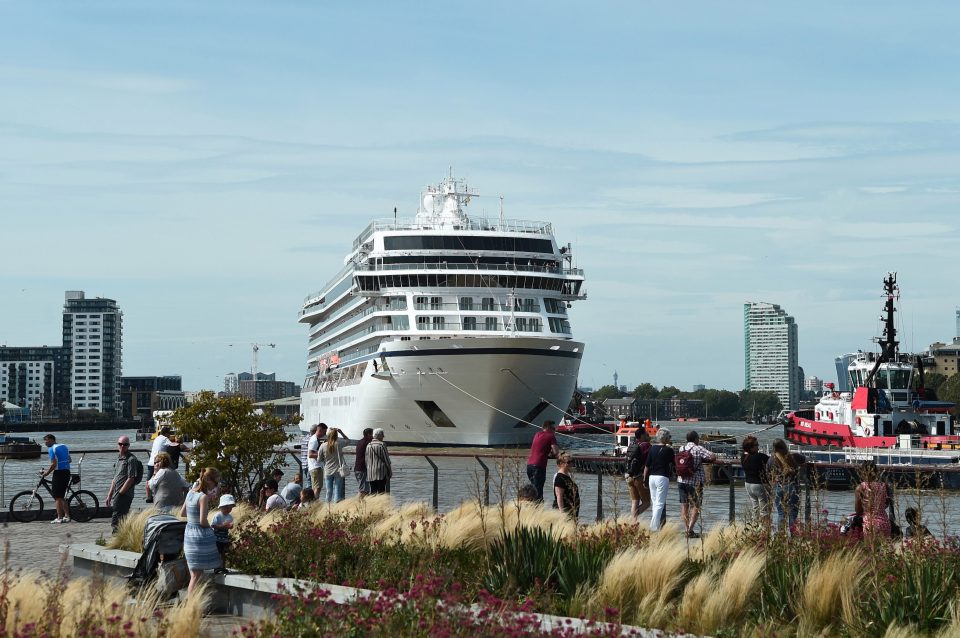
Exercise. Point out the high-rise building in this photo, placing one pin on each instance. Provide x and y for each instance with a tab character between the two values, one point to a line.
93	338
36	378
770	352
843	377
231	383
813	384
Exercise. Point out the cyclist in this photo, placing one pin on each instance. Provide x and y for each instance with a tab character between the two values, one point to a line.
60	468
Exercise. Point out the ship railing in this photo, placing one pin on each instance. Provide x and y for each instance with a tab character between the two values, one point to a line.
489	224
549	270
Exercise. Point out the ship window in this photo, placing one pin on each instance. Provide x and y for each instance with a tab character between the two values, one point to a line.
435	414
436	303
520	324
423	323
472	242
400	322
469	323
535	325
438	323
466	303
490	323
487	303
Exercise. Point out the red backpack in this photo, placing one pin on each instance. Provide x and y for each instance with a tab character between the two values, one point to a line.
685	463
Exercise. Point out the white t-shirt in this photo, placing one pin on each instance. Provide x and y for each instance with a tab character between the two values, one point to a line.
276	502
313	446
157	448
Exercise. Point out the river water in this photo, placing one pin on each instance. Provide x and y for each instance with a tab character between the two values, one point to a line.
462	477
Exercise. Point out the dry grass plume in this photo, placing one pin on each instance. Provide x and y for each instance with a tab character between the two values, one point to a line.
642	583
129	536
829	593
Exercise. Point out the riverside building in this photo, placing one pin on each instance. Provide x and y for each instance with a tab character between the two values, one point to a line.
770	351
93	338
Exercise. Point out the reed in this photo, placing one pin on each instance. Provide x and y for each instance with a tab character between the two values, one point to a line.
369	509
728	601
129	536
829	594
642	583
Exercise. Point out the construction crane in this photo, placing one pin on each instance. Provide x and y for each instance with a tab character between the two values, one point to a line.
256	350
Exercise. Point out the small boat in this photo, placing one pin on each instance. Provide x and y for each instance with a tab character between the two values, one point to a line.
18	447
582	427
882	411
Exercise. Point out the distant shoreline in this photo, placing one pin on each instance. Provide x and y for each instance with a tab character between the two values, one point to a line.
67	426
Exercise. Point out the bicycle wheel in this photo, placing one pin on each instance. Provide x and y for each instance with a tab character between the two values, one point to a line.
26	507
83	506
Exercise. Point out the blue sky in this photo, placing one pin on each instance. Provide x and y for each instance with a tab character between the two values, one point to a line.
208	164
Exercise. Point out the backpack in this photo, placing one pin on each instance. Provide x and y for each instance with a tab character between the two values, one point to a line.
137	468
636	459
685	463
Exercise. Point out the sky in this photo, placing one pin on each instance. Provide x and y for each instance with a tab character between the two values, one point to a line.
208	165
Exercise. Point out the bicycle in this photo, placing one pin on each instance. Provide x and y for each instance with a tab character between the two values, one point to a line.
26	506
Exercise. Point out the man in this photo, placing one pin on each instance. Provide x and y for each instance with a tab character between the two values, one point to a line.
544	446
360	464
273	501
691	488
277	475
379	467
317	435
60	468
636	462
175	449
291	491
159	444
128	471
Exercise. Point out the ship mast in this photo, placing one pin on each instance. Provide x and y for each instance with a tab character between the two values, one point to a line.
888	343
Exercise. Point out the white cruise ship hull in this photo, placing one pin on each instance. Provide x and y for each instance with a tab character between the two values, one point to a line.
456	391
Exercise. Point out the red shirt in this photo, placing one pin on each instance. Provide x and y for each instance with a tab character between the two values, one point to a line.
543	442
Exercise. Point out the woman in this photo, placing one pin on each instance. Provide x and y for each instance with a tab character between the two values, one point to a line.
756	479
656	474
870	501
783	469
334	467
166	484
566	495
199	542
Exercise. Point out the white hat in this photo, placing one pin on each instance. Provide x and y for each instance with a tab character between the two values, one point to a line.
227	499
378	433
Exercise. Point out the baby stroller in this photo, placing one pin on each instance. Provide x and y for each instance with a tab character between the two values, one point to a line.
162	546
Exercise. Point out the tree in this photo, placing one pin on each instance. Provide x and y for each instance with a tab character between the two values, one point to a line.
231	437
949	390
669	392
607	392
932	381
645	391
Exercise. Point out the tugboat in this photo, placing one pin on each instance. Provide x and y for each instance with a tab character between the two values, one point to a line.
882	411
18	447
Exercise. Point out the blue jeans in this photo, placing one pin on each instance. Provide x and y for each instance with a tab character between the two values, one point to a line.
537	476
335	487
788	504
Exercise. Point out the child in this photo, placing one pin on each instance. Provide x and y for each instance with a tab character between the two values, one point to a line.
915	529
222	523
307	498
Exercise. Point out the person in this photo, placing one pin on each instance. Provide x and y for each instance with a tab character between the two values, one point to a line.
783	469
636	460
334	465
756	479
691	488
292	490
379	467
60	468
199	542
656	474
527	492
566	495
222	523
159	443
307	498
127	472
360	462
175	449
277	475
544	446
317	434
915	529
271	499
167	486
870	501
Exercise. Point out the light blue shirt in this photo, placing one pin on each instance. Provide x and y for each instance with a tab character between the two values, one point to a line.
60	453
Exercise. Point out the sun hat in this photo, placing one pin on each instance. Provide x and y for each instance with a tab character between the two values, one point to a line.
227	499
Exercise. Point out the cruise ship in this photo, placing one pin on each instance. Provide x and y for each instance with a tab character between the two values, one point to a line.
446	329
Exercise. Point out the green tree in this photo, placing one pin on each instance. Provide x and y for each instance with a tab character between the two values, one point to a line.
645	391
669	392
607	392
949	390
932	380
231	437
721	404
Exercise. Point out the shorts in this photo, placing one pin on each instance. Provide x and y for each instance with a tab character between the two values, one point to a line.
61	479
638	491
691	494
